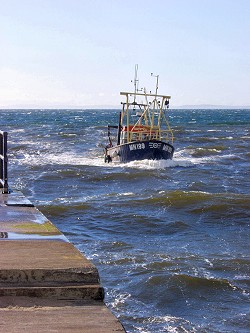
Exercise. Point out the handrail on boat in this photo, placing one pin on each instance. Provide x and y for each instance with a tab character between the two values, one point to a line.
148	133
141	94
3	162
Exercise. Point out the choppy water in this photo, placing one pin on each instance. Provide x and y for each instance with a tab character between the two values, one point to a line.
170	238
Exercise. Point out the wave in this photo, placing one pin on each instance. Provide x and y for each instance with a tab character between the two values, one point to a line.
184	158
191	282
93	159
60	159
158	164
240	265
229	204
211	155
200	152
66	135
157	323
62	209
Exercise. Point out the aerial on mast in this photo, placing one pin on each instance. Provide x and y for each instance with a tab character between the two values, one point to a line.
136	82
157	80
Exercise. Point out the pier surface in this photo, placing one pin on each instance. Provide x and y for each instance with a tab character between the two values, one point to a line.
46	284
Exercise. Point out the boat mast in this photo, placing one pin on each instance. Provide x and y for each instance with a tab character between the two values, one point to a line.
155	105
136	82
157	80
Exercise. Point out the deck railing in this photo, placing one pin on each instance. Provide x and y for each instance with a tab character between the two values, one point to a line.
4	187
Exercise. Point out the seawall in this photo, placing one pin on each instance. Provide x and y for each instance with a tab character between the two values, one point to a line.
46	284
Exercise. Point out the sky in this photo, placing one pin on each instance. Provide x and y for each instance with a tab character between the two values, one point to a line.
82	53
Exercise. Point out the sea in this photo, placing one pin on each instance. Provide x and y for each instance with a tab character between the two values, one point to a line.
170	239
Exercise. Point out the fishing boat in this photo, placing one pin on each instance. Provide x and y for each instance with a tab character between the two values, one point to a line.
143	130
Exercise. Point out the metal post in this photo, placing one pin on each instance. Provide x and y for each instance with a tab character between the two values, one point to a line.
3	163
1	157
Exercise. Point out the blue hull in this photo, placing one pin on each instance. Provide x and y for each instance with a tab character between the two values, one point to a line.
140	150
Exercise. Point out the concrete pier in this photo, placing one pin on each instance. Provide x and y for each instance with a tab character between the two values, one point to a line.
46	284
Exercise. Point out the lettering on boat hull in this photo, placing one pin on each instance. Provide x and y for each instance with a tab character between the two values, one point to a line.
152	150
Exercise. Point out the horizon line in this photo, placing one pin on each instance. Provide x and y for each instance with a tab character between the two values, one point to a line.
112	107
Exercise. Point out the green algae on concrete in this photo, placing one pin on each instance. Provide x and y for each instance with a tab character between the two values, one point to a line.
36	228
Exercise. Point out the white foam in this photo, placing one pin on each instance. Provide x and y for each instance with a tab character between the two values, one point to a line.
181	159
183	155
158	164
126	194
60	159
74	159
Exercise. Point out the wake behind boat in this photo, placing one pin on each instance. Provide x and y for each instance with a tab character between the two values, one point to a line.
143	130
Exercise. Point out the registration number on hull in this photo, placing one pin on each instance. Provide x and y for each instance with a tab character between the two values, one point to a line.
136	146
152	145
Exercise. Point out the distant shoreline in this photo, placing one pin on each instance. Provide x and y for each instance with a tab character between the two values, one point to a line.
184	107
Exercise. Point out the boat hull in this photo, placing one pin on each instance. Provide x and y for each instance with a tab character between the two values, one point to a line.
139	150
